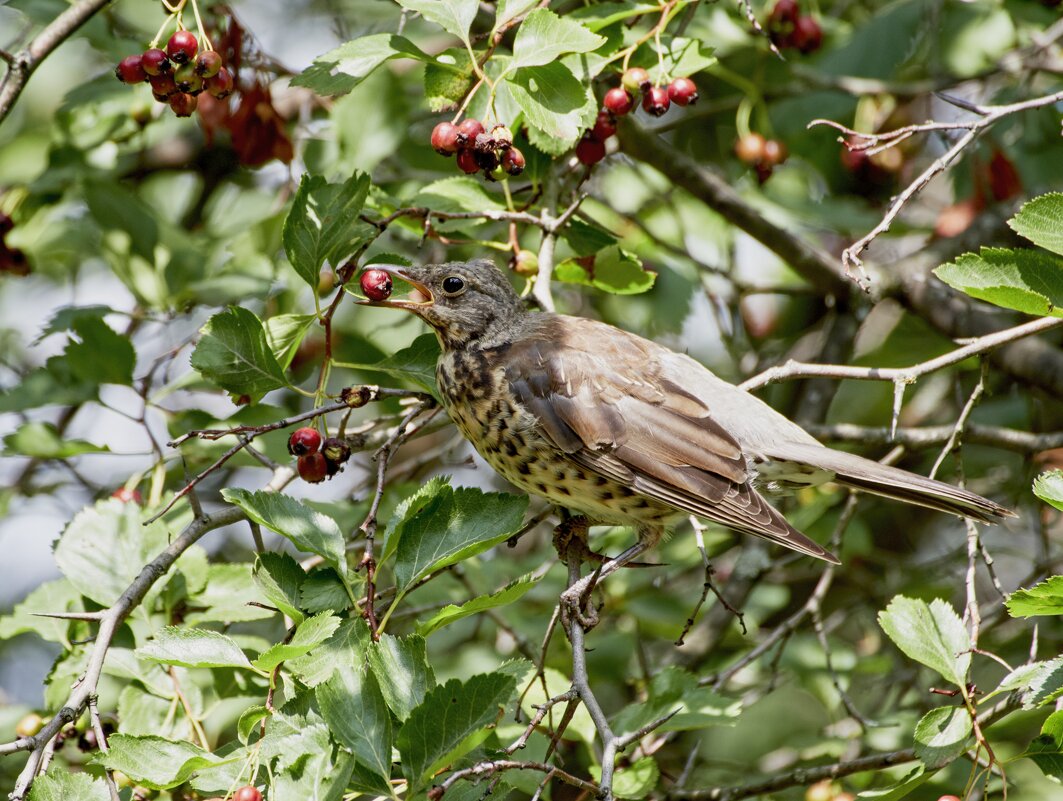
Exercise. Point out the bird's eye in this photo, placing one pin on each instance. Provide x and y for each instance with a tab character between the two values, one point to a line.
453	285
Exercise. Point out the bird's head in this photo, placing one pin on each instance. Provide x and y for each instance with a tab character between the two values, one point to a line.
463	301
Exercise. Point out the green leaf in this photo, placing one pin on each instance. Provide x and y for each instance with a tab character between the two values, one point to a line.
323	225
415	363
61	785
358	716
451	714
1046	750
193	648
115	208
347	646
51	596
234	354
340	70
614	270
635	781
1041	221
1049	488
676	690
401	667
311	633
1045	598
555	102
65	318
678	58
458	193
509	10
914	778
99	354
453	613
250	719
448	79
544	36
586	239
1029	281
942	735
453	16
285	333
931	634
413	504
227	597
54	384
1046	685
42	441
309	530
155	762
451	526
280	578
323	590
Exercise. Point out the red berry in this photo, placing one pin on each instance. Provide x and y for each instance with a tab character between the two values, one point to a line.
131	70
774	153
590	151
526	263
220	85
182	47
162	86
750	148
468	130
655	101
486	159
467	161
807	36
313	467
604	126
483	143
187	80
208	63
155	62
303	441
635	80
618	101
683	92
376	284
183	104
126	495
513	161
784	13
248	793
949	798
337	450
445	139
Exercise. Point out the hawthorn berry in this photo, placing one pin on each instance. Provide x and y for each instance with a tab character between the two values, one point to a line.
526	263
187	80
467	161
6	224
513	161
155	62
469	129
208	62
635	79
183	105
807	35
182	47
784	13
376	284
220	85
750	148
483	143
486	159
618	101
820	791
304	440
502	136
247	793
655	101
29	725
590	151
949	798
126	495
445	139
774	153
604	126
683	92
312	468
162	86
335	449
88	741
131	70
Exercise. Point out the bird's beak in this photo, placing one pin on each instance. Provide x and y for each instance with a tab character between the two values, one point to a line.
419	298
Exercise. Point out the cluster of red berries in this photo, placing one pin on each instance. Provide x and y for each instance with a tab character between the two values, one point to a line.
247	793
376	284
178	73
788	28
620	100
12	260
318	459
477	150
763	155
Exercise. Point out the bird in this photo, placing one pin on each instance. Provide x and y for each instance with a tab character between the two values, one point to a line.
623	430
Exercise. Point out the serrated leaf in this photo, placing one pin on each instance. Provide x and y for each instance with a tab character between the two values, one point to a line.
635	781
323	224
401	667
309	530
280	578
415	363
602	15
347	646
453	16
931	634
285	333
942	735
65	318
1029	281
411	505
586	239
1046	685
554	102
509	10
544	36
61	785
99	354
228	596
453	612
51	596
42	441
323	590
1041	221
155	762
1049	488
311	633
193	648
1046	750
358	716
341	70
234	354
458	193
450	714
1045	598
678	57
448	79
614	270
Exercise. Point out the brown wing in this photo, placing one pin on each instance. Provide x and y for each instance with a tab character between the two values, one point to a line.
599	396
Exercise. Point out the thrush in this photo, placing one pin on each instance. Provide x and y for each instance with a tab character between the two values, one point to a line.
623	430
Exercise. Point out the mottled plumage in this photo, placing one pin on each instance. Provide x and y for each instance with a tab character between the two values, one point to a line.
608	424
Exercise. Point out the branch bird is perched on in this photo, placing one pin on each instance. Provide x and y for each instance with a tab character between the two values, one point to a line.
623	430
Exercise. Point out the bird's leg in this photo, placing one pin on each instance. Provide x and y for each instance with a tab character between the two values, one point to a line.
574	599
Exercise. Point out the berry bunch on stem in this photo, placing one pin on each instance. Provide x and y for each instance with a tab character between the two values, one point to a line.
318	459
763	155
788	28
477	150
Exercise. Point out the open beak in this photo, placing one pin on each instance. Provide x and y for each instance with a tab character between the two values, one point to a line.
419	298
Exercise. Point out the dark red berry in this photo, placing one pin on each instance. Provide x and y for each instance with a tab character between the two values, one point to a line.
182	47
220	85
162	86
247	793
784	13
483	143
6	224
750	148
503	136
445	139
635	80
468	130
336	452
126	495
467	161
303	441
376	284
131	70
155	62
312	468
590	151
774	153
208	63
513	161
618	101
88	742
604	126
807	36
683	92
183	104
187	80
486	159
655	101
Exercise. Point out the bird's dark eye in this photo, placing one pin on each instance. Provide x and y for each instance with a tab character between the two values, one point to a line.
453	285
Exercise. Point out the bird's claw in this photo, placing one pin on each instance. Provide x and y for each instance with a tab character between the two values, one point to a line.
576	606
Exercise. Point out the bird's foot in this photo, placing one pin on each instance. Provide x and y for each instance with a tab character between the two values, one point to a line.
576	606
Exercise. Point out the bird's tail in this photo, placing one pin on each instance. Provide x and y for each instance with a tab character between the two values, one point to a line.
857	472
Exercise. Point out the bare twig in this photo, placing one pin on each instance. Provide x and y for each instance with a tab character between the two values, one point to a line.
925	437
